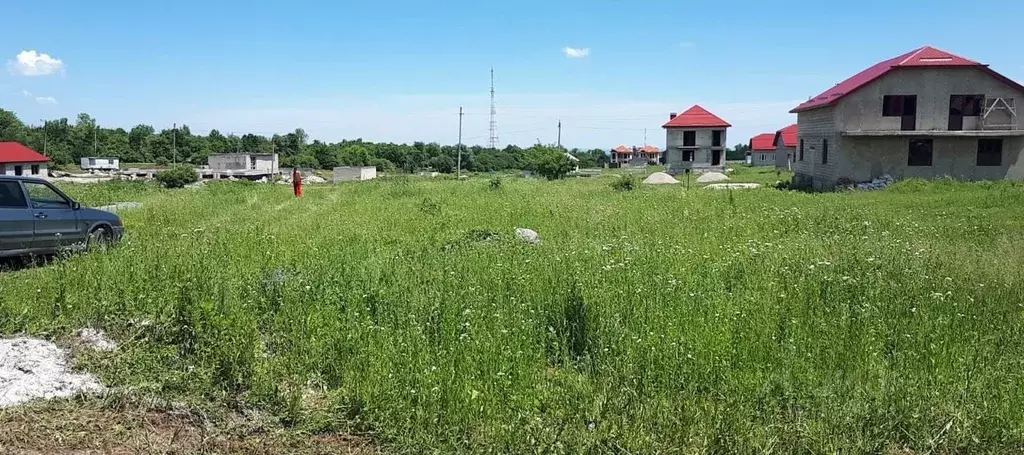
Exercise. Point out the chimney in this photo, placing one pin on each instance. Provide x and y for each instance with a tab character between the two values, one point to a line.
672	115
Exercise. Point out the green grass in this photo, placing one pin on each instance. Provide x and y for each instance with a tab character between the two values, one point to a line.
654	320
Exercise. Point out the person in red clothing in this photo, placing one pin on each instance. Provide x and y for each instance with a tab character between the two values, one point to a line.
297	182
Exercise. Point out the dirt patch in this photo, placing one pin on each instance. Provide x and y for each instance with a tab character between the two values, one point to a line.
95	427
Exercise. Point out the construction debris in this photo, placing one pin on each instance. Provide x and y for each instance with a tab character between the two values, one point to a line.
119	206
732	186
878	183
32	369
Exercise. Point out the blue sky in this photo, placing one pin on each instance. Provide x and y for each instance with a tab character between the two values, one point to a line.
399	70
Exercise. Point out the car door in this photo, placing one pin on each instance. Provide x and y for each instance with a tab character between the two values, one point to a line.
55	220
16	220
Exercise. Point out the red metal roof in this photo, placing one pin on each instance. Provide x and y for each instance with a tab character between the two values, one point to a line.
696	117
650	149
762	143
788	136
13	152
622	149
924	57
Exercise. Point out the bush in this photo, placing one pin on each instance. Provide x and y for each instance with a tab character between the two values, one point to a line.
161	161
625	183
177	176
496	183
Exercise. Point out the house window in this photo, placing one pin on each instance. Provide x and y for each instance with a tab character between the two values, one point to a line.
35	169
990	152
966	105
824	151
687	155
689	138
899	105
801	149
18	170
716	138
920	153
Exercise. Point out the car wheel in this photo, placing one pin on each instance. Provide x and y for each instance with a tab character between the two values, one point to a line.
100	238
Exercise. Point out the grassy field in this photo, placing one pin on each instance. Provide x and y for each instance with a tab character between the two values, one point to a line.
654	321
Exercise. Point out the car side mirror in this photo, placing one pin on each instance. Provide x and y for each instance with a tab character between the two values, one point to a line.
75	205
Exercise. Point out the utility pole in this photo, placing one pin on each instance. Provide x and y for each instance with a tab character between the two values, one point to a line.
458	172
44	135
559	133
95	142
174	143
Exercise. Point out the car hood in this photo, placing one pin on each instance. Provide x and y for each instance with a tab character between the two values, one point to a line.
94	215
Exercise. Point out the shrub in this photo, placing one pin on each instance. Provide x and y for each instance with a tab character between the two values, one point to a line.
496	183
625	183
161	161
177	176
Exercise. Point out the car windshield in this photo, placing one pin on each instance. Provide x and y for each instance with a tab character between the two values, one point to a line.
44	197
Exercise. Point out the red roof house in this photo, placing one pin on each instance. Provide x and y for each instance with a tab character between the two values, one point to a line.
787	135
696	117
763	143
924	57
13	152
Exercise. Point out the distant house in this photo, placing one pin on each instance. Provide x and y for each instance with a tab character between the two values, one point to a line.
785	146
621	154
927	113
650	153
16	159
100	164
259	162
695	139
762	150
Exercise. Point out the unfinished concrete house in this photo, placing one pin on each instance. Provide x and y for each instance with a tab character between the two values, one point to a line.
927	113
695	140
785	146
762	150
242	165
19	160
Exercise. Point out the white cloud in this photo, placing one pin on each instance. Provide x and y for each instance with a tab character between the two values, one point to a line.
46	100
27	93
574	52
32	63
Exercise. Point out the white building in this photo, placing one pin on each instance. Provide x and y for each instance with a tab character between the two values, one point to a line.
354	173
100	164
265	163
18	160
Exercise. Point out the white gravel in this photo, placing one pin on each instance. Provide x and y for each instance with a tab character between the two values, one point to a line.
732	186
660	178
95	339
32	369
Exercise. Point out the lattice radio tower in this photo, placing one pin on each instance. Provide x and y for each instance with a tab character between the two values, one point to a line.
493	141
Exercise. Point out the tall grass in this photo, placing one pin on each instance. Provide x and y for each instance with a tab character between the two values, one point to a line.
657	320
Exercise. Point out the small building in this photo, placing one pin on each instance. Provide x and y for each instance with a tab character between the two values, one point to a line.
695	140
354	173
19	160
255	163
927	113
100	164
785	145
762	150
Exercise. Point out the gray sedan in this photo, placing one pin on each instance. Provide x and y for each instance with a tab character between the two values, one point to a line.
36	218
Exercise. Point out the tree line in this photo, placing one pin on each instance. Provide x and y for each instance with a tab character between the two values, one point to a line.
66	142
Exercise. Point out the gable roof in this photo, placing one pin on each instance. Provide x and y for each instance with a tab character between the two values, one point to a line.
924	57
13	152
650	149
622	149
762	143
696	117
788	135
